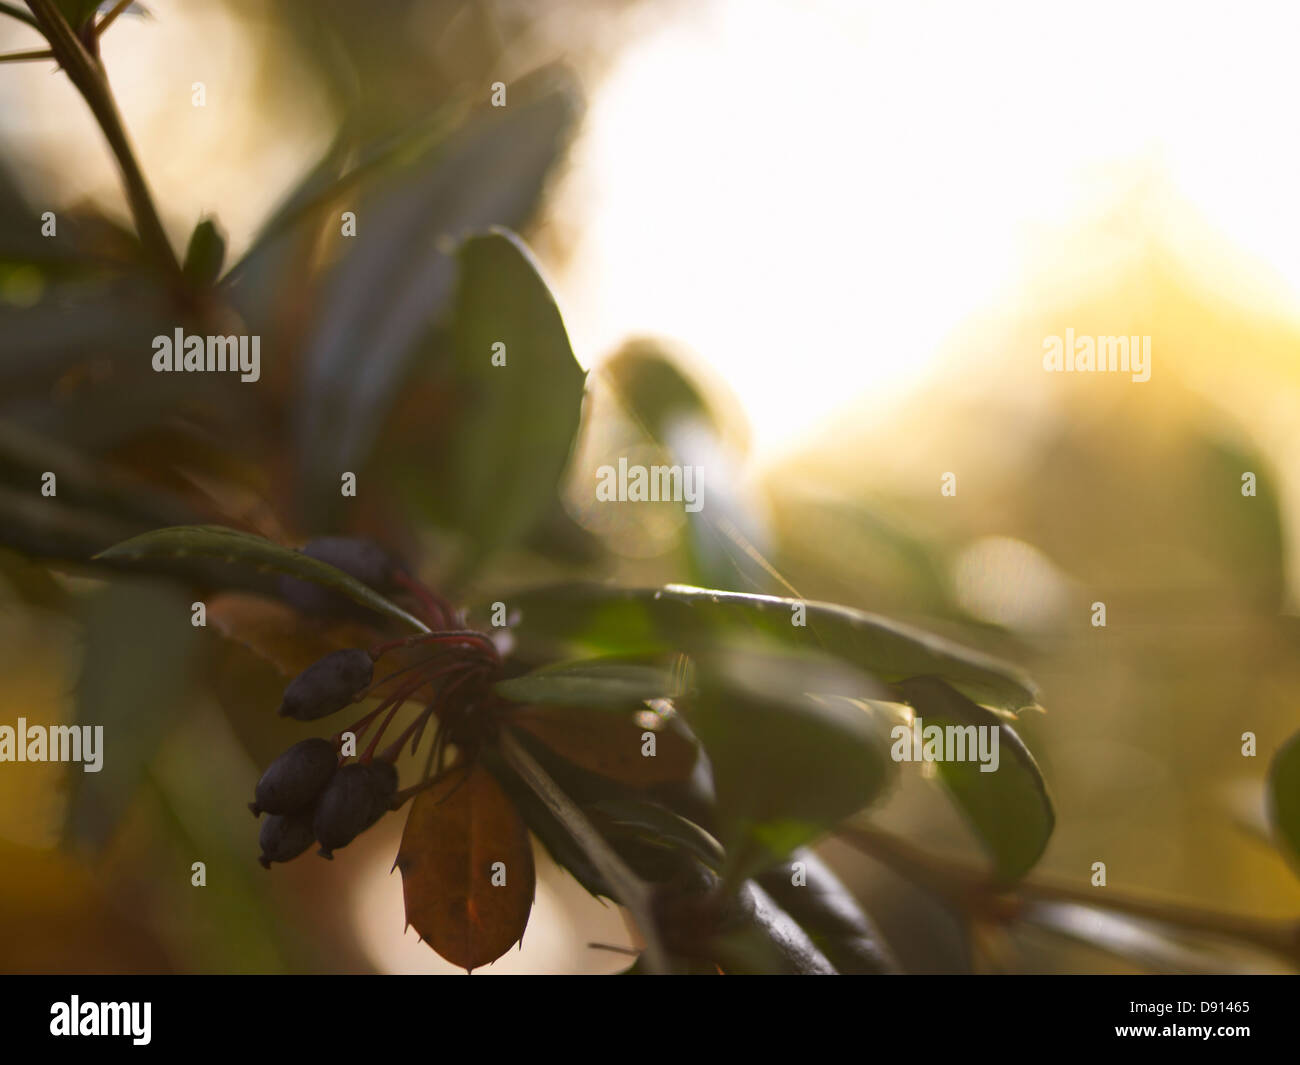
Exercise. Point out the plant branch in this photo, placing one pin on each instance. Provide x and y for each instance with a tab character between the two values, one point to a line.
632	891
22	57
88	77
14	11
972	890
108	19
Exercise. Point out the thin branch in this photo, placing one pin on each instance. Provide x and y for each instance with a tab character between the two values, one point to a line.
108	19
969	889
14	11
632	891
22	57
88	76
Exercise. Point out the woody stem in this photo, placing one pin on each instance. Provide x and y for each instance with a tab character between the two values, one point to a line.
89	79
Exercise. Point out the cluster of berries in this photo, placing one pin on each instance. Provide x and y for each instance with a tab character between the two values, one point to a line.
308	794
311	799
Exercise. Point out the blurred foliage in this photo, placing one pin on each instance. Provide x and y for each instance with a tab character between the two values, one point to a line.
770	734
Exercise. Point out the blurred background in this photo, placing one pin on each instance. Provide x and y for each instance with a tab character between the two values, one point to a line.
814	246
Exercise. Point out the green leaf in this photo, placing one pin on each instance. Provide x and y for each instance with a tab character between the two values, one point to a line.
702	429
1247	542
613	683
139	643
1284	797
26	455
1008	808
521	417
245	549
115	320
205	254
787	765
617	621
46	528
395	279
255	284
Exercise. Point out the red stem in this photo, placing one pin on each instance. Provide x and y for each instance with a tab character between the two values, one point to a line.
381	649
394	701
438	611
391	751
370	689
369	752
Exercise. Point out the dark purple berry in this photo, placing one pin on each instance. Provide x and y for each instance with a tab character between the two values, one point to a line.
329	685
363	559
292	782
284	837
383	785
356	797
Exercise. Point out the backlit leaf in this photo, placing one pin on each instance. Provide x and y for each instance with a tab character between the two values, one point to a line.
457	832
620	621
522	416
1008	808
595	682
279	633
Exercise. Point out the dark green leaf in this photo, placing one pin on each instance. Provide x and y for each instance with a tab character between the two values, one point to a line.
26	455
46	528
658	826
522	416
824	908
246	550
787	765
1008	808
1284	797
766	941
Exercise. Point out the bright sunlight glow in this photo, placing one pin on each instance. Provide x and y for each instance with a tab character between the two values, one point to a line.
813	194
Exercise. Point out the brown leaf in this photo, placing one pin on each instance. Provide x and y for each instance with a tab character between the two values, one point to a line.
279	633
609	745
456	833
